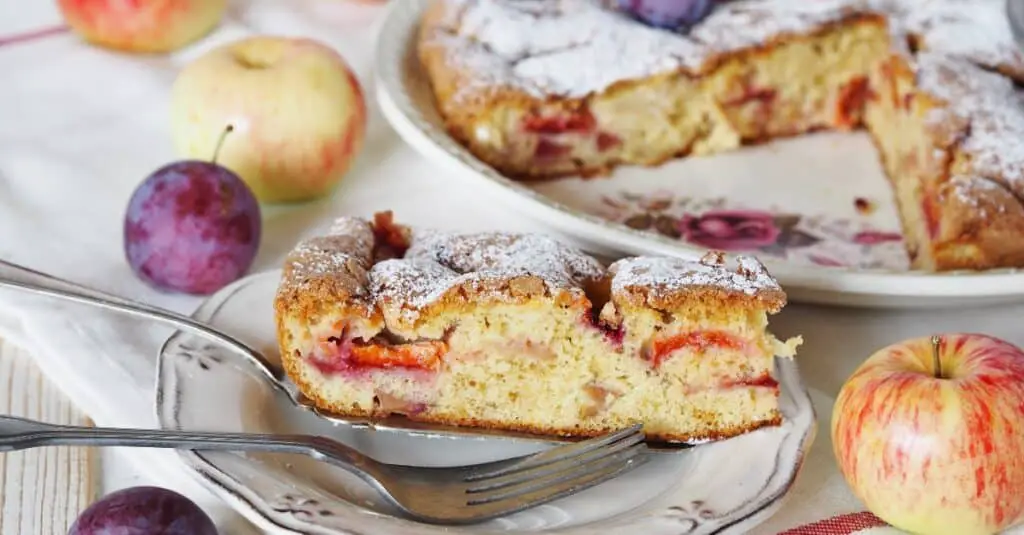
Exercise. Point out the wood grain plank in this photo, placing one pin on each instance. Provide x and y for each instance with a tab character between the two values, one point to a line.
41	490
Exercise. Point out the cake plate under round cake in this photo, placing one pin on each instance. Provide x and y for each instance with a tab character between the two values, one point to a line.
816	210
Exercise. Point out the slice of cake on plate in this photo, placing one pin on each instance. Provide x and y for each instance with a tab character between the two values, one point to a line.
521	332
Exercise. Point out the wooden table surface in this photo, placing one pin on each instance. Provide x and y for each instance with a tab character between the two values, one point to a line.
42	490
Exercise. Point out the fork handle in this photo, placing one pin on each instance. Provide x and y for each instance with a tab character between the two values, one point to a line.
20	434
23	279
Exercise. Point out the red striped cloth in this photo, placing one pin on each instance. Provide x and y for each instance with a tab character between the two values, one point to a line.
839	525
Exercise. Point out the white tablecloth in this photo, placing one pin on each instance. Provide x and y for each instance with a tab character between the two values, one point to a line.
80	127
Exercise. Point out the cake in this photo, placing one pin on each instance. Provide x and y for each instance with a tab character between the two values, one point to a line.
546	88
520	332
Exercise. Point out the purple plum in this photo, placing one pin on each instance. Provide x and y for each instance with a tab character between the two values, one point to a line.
669	14
143	511
192	227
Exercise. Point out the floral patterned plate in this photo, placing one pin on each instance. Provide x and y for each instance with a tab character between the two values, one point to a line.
817	210
725	487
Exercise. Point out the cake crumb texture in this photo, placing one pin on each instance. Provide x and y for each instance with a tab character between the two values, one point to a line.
522	332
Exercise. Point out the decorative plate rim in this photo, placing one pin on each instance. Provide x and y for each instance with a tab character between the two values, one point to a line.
167	405
406	118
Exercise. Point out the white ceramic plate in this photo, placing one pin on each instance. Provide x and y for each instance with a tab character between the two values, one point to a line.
793	203
725	487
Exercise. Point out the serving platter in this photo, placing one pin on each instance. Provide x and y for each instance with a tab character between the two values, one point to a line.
724	487
816	209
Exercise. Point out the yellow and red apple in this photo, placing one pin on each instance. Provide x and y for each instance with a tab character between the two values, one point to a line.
929	434
142	25
297	109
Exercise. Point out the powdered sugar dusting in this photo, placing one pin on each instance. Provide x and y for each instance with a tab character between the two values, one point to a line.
355	229
346	250
507	255
414	282
436	262
986	199
993	109
573	48
975	30
748	276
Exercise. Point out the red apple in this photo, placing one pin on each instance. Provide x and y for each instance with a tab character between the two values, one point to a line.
297	109
143	25
929	434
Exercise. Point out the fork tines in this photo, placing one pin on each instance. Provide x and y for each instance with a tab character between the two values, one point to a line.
557	472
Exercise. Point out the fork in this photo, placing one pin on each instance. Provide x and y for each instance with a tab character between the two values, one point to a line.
455	495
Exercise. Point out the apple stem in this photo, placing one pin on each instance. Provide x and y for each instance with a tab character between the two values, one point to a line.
220	142
937	360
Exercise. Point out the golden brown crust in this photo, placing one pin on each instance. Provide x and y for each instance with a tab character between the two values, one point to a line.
323	276
715	430
968	190
981	225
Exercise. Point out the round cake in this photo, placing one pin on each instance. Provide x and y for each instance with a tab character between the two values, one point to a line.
523	333
547	88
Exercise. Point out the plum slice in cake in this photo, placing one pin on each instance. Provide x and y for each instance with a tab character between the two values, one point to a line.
521	332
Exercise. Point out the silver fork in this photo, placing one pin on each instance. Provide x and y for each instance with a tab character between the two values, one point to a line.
456	495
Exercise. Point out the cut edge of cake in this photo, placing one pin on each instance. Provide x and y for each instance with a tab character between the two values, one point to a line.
522	333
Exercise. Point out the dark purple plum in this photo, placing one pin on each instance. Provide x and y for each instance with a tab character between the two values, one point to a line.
669	14
143	511
192	227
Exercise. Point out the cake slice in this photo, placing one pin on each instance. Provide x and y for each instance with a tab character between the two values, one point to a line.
943	126
520	332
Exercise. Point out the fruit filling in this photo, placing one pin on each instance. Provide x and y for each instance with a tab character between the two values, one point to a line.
386	403
764	381
606	142
851	101
752	94
931	210
338	355
547	149
601	396
389	239
697	341
614	333
579	122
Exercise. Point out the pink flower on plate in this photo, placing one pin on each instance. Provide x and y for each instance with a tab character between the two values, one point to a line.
826	261
730	230
874	237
